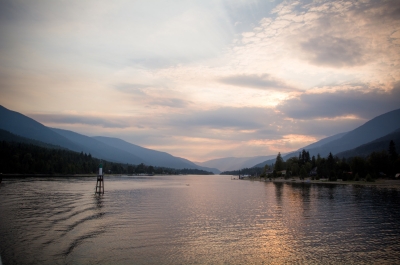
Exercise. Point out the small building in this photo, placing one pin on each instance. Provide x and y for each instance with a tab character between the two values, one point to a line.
313	172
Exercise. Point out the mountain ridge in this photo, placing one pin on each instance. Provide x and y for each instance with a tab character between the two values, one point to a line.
371	130
161	159
24	126
233	163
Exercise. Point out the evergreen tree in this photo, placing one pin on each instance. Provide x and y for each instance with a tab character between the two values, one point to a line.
279	166
330	162
303	172
313	162
392	151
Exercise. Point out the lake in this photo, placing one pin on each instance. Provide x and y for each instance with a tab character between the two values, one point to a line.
196	220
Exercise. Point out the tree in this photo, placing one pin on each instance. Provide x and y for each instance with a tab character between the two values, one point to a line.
357	165
295	169
264	171
378	162
330	162
279	166
392	151
313	162
303	172
318	159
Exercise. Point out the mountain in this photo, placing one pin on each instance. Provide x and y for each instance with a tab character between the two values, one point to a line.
380	144
234	163
10	137
267	162
310	146
20	128
373	129
24	126
155	158
323	141
369	131
99	149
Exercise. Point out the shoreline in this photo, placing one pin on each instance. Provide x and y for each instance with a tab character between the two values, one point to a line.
387	183
9	176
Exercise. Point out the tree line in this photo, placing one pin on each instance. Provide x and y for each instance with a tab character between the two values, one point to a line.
383	164
23	158
253	171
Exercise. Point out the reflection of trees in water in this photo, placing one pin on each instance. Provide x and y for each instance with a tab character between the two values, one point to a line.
278	192
326	189
302	195
304	189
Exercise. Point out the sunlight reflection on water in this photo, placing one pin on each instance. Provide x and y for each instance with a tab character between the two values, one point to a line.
196	220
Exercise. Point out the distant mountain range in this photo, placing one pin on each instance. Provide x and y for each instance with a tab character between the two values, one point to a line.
234	163
380	144
111	149
374	135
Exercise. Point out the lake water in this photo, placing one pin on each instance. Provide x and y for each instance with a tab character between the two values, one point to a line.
196	220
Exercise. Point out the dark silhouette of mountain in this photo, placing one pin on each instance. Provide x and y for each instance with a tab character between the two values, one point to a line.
267	162
375	128
378	145
234	163
310	146
369	131
155	158
27	130
24	126
101	150
323	142
10	137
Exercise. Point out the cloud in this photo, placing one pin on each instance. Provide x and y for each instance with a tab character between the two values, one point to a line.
333	51
158	62
170	102
226	117
361	103
161	73
136	89
263	81
378	11
143	94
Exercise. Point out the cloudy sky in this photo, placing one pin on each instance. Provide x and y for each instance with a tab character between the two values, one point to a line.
201	79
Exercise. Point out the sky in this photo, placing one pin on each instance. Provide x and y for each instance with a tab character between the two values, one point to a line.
201	79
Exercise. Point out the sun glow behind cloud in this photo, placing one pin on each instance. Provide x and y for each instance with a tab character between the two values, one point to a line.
202	79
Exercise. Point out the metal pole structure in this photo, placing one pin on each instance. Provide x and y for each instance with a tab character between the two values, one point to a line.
100	181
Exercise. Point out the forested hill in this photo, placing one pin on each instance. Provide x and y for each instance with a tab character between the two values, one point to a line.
28	158
10	137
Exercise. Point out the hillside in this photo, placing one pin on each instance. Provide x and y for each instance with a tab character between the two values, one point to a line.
27	158
337	144
371	130
234	163
24	126
153	157
378	145
100	147
10	137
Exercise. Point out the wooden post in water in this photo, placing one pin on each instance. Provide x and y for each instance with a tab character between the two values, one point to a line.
100	181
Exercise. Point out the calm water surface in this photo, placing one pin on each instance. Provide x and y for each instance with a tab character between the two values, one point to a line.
196	220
